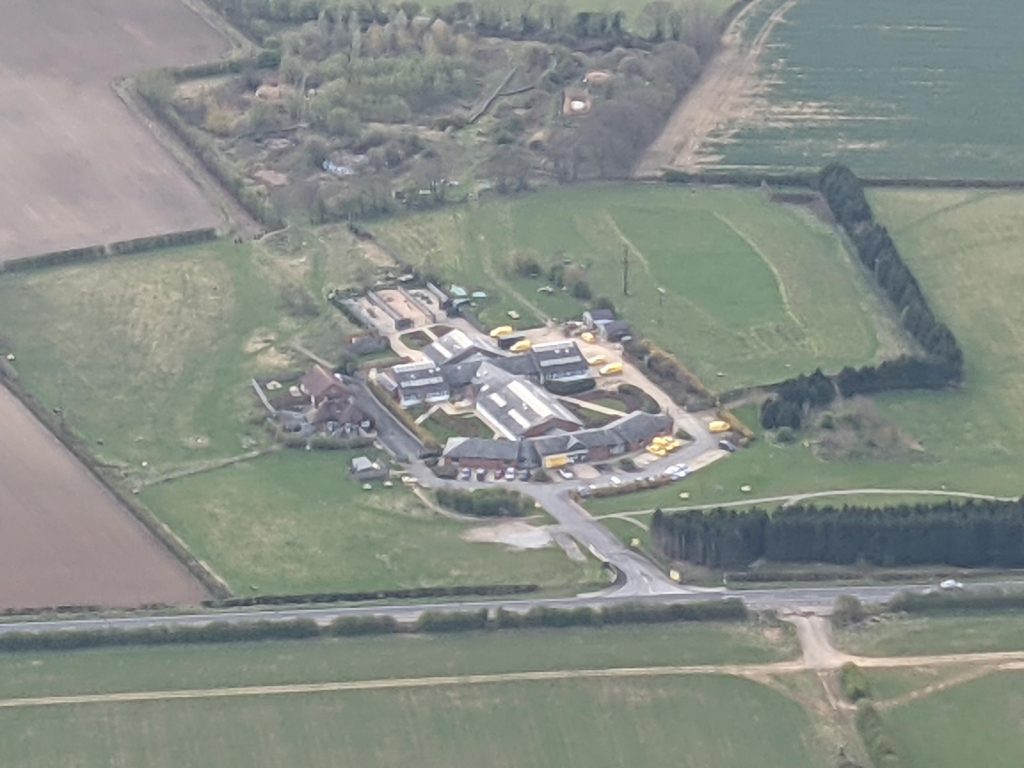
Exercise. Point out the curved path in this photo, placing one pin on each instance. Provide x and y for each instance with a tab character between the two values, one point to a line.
796	498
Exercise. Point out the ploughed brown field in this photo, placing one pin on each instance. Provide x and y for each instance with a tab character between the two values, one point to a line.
64	539
78	167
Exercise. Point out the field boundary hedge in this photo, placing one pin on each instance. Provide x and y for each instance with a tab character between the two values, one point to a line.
119	248
416	593
730	609
163	533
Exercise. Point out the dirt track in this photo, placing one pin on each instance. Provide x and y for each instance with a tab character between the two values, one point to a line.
64	540
78	168
718	97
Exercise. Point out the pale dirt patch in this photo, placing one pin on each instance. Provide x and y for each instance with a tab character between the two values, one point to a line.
272	178
514	535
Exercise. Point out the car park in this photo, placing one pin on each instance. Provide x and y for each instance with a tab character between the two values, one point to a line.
481	474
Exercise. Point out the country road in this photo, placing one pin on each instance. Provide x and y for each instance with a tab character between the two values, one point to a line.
789	599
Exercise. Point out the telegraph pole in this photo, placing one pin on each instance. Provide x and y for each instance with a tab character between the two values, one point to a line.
625	271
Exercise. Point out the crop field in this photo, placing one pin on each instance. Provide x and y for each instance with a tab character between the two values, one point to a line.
916	635
961	245
672	722
116	670
295	523
101	176
678	720
66	540
899	90
801	303
975	723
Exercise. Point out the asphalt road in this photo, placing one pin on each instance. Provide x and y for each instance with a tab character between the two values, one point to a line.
784	599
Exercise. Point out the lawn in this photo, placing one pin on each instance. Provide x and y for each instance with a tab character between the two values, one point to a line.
899	90
150	357
801	303
682	722
293	522
962	246
976	723
396	656
914	635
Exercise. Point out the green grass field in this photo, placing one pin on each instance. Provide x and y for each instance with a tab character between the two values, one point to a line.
692	721
915	635
904	90
975	723
800	303
396	656
961	245
150	357
294	522
685	723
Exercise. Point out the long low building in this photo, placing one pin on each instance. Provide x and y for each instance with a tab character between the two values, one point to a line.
625	435
515	407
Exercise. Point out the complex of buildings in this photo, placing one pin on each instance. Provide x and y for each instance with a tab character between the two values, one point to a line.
509	393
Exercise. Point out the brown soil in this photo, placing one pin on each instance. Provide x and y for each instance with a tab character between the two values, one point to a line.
64	539
717	99
79	169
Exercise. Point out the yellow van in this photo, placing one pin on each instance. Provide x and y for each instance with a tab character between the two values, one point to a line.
523	345
501	332
611	369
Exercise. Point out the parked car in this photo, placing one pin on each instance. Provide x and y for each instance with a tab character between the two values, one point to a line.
481	474
727	445
510	474
498	474
615	480
524	474
466	473
951	585
566	474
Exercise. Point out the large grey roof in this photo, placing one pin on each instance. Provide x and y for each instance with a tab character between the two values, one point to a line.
481	448
515	405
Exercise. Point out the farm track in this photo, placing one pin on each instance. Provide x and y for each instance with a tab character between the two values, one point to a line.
714	100
796	498
818	655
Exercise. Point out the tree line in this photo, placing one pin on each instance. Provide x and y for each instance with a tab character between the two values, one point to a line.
347	626
973	534
939	367
942	364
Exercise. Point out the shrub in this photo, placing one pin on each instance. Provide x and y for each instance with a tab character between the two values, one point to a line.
854	683
436	621
362	625
848	610
486	502
875	735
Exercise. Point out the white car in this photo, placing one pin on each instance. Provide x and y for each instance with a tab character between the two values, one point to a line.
615	480
510	473
951	585
566	474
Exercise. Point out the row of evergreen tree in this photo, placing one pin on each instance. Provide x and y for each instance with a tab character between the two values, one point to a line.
975	534
942	363
793	397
